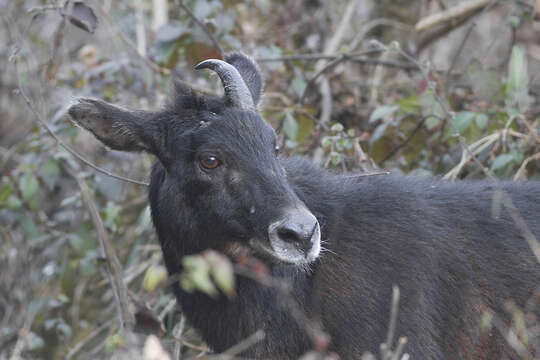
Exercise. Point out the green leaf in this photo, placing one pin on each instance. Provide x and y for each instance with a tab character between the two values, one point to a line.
154	276
50	172
518	80
481	120
29	227
432	122
33	341
305	127
337	127
64	328
326	142
196	275
112	214
430	105
463	120
29	186
378	133
222	272
335	158
410	104
486	84
290	126
382	112
299	84
115	341
144	222
13	202
501	161
5	192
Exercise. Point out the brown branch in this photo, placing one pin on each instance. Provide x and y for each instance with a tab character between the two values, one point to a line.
314	56
74	350
464	9
521	171
203	27
114	268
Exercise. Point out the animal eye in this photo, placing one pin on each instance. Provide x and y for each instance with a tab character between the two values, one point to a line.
277	149
210	162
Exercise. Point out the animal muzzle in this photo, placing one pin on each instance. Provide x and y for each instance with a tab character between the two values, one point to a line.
296	237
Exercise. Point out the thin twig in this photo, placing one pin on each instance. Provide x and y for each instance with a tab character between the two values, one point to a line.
331	47
411	135
468	33
314	78
375	173
386	347
23	332
243	345
177	333
46	126
74	350
314	56
114	268
521	171
203	27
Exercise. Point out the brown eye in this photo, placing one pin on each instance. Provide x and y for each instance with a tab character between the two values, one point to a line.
210	162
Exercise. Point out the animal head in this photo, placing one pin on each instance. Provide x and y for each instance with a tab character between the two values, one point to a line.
219	182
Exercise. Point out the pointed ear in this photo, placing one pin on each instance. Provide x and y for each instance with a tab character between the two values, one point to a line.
249	71
116	127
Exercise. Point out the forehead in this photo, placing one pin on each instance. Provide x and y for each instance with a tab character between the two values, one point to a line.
238	130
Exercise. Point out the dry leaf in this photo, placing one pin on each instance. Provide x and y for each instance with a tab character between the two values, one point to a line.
80	15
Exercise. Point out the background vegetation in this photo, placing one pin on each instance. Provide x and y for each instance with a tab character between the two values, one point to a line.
446	88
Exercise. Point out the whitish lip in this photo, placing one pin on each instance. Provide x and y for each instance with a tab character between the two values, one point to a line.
287	252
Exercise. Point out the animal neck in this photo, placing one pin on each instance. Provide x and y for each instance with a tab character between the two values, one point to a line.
224	322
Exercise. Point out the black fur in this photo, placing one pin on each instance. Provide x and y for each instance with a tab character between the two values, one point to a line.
452	249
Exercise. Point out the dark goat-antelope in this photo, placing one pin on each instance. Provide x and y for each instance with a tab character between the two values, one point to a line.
219	183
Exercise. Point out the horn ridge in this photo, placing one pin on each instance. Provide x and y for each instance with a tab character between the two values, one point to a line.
236	89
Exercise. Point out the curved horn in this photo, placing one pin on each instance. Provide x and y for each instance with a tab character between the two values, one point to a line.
236	89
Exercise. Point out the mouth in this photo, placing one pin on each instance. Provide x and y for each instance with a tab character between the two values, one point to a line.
279	246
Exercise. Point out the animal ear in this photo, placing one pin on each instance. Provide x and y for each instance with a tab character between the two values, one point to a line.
250	73
116	127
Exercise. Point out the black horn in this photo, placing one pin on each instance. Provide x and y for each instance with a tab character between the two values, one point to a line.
236	89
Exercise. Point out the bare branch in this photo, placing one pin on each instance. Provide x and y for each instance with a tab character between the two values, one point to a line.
463	9
114	268
87	339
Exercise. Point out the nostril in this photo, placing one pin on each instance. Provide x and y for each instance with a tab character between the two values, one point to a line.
298	234
288	235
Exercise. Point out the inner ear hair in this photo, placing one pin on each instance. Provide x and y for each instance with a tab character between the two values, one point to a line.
116	127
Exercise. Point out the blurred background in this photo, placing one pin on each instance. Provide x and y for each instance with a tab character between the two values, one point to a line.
356	85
